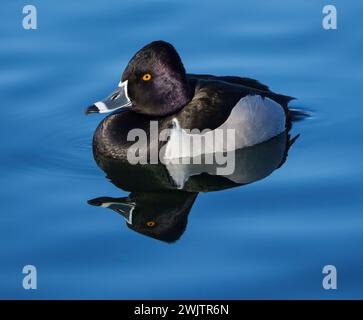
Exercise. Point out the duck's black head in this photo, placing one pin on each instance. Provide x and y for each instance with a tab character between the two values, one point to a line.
157	83
154	83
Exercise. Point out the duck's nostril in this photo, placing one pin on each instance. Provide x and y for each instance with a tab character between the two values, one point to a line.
115	96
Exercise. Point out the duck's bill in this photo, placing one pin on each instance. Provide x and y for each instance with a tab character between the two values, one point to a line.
116	100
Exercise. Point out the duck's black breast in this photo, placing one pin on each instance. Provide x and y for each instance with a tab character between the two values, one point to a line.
113	135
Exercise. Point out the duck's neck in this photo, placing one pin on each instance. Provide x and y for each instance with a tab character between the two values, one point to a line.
182	94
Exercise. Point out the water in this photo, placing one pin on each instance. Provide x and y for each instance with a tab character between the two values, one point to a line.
269	239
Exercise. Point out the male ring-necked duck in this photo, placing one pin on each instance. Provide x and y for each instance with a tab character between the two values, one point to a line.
155	86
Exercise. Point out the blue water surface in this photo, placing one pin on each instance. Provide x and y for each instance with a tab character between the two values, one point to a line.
270	239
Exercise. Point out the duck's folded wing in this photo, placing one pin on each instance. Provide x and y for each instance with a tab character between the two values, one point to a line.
214	100
248	82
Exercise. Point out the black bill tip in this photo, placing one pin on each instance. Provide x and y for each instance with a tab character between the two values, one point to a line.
99	201
92	109
95	202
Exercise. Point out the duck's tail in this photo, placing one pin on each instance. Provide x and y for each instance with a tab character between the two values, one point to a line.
282	99
298	115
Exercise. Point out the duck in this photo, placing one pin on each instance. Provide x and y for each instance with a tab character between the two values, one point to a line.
155	87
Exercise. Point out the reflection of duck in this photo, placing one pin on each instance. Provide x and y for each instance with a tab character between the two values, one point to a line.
155	86
162	195
162	215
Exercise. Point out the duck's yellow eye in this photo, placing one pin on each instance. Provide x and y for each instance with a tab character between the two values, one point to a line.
150	224
146	77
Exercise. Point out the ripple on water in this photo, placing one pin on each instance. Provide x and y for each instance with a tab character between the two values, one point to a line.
61	145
